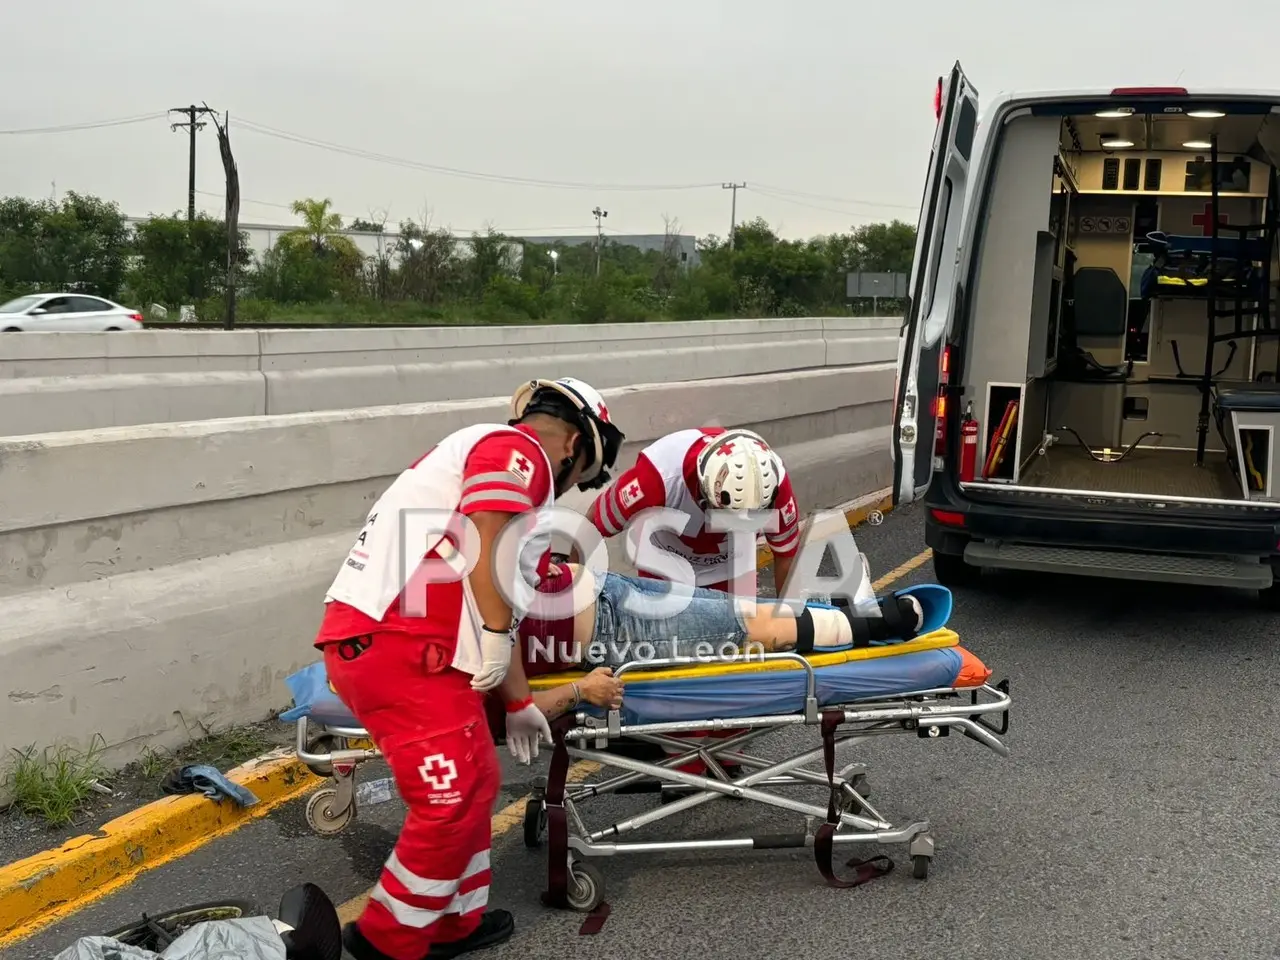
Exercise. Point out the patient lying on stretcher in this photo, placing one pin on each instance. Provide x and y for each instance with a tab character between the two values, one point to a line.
625	622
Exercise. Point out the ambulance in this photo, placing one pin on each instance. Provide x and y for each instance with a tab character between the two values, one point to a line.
1088	365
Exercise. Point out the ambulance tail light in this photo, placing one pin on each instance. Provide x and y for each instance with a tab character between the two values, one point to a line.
948	518
1150	92
940	404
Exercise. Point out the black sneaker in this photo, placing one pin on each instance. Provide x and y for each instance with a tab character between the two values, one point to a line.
354	942
496	927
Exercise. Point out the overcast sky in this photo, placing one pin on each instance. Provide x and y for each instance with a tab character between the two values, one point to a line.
824	107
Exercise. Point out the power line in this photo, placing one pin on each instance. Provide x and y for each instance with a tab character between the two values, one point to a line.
92	125
778	193
814	206
265	130
764	187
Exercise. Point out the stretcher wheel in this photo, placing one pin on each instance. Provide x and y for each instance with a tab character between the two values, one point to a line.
920	867
586	887
321	816
322	744
535	823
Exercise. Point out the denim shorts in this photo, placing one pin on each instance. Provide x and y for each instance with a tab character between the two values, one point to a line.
632	624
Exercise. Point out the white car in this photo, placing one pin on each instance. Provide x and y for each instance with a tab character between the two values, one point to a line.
66	312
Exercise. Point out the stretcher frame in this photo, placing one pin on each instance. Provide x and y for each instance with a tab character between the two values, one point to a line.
849	817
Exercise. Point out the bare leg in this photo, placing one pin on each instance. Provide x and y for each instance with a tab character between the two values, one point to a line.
773	626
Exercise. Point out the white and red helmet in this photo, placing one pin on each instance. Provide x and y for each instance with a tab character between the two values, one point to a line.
739	471
580	404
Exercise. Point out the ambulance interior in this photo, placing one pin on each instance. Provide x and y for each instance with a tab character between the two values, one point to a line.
1122	339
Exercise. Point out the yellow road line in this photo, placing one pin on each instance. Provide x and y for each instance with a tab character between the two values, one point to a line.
897	573
513	814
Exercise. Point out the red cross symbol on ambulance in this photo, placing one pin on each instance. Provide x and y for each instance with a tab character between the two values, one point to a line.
1205	220
438	771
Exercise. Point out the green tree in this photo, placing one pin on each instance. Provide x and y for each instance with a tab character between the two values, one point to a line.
175	257
82	243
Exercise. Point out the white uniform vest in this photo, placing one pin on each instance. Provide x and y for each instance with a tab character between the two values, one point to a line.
418	503
667	456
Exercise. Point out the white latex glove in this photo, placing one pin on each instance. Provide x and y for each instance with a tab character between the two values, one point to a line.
495	652
525	727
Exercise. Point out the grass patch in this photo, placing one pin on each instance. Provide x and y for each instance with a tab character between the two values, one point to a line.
223	750
53	784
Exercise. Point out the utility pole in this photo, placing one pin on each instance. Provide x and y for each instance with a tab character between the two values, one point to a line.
599	215
192	125
733	210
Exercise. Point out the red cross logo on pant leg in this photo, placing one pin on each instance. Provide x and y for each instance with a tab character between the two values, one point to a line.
1205	220
438	772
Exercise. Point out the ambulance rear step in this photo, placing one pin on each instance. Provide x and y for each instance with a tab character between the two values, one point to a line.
1248	573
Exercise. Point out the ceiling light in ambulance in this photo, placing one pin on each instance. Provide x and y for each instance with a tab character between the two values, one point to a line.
1112	144
1205	114
1116	113
1198	145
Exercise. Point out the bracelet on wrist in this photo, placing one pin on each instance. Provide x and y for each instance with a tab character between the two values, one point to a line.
577	694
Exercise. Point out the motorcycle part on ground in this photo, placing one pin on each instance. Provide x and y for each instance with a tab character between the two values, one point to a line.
313	930
155	932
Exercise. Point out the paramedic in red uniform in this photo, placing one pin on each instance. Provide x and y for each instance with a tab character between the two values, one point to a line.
695	471
414	662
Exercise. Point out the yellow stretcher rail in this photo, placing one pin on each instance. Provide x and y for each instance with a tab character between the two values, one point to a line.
937	640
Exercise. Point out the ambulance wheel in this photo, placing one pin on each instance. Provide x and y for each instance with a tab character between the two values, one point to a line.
321	816
920	867
586	887
535	823
951	570
322	744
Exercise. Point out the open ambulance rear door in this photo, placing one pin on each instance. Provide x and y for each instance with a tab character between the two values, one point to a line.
934	290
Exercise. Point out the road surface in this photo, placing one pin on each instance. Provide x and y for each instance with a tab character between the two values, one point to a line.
1138	816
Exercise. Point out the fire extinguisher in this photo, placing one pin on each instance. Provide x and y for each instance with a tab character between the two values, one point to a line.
968	445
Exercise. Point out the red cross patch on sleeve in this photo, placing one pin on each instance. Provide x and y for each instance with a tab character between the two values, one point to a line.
789	511
521	466
629	494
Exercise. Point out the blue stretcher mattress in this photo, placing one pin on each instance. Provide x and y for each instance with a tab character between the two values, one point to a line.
728	695
891	669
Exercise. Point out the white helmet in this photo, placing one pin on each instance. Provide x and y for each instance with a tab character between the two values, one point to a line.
738	471
580	404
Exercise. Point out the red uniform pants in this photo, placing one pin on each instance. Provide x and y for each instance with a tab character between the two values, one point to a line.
431	728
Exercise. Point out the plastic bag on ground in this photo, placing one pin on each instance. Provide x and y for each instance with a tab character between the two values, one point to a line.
248	938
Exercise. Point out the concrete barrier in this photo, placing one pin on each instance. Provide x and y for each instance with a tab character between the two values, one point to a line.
74	381
160	579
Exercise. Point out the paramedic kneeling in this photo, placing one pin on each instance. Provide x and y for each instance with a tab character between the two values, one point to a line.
698	471
415	676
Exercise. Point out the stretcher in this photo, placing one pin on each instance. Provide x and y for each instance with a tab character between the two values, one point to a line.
925	688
